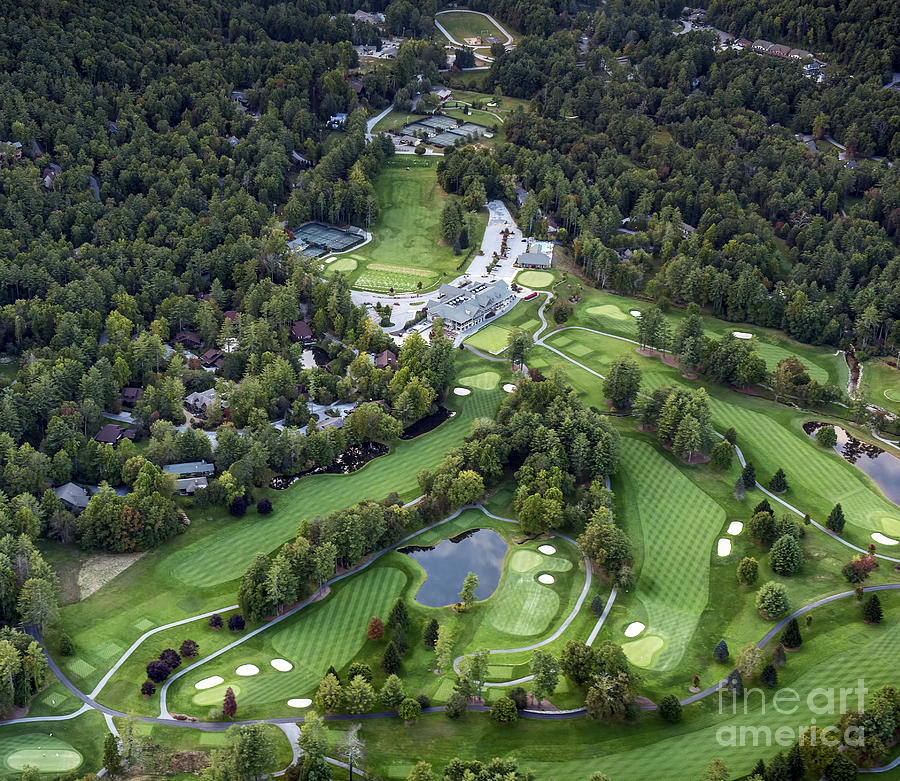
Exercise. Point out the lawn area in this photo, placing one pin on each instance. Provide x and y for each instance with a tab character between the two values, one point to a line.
405	253
466	24
540	280
332	631
884	384
494	337
75	745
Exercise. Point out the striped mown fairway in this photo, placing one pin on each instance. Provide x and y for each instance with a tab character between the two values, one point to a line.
679	524
208	562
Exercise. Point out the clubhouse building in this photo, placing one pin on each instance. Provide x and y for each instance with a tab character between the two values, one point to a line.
462	308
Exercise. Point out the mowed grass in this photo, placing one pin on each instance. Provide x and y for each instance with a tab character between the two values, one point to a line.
78	742
406	249
678	527
51	755
535	279
465	24
884	384
493	338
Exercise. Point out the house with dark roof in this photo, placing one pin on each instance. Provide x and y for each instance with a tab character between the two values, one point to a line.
94	186
73	497
36	150
761	46
190	469
188	339
779	50
112	128
799	54
301	332
300	160
130	396
231	314
112	434
385	360
212	359
49	174
743	43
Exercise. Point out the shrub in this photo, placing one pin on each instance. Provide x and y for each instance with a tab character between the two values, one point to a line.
778	483
424	700
148	688
720	654
236	622
519	696
748	571
597	605
66	646
188	649
731	435
264	506
375	630
769	676
358	668
503	711
456	705
215	621
238	506
158	671
857	569
779	657
409	709
772	600
761	527
842	769
786	557
170	657
670	709
836	519
734	683
826	436
791	638
872	611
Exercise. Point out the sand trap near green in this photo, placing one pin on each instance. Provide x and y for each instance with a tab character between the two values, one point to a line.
51	755
535	278
607	310
641	652
483	381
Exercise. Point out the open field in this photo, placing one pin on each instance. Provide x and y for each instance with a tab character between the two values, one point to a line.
465	24
405	253
493	338
75	745
884	384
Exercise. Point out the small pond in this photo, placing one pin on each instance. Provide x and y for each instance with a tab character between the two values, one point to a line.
881	466
446	565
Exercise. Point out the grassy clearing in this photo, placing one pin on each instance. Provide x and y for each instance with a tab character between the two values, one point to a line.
884	384
75	745
465	24
540	280
405	252
494	337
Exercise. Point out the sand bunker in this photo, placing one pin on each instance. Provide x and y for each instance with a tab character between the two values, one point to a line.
509	387
548	550
635	313
634	629
282	665
724	547
741	335
461	391
299	702
247	669
208	683
735	528
880	538
546	579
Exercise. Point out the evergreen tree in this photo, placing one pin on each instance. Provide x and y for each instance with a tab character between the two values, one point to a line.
375	630
431	633
721	456
795	763
786	556
778	483
763	507
392	693
836	519
748	476
748	571
872	611
772	600
791	638
229	704
779	657
720	654
390	662
399	615
670	709
112	760
769	676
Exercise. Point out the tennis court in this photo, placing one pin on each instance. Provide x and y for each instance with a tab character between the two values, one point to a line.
320	235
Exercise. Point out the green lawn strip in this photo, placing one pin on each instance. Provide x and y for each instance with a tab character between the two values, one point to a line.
406	234
573	749
493	338
465	24
217	548
78	742
884	384
679	525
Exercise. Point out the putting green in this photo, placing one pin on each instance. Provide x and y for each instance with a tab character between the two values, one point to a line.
346	265
535	278
524	560
641	652
526	611
215	695
51	755
893	395
607	310
484	380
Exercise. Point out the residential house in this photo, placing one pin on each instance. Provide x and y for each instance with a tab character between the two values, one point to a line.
201	401
36	150
442	93
743	43
301	332
687	230
112	128
357	85
799	54
761	46
73	497
49	174
130	396
779	50
386	359
233	141
331	423
94	186
190	469
112	434
212	359
364	16
534	260
300	160
337	121
188	339
189	485
231	314
14	150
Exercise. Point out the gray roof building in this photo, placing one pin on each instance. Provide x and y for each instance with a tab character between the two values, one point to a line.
73	496
188	485
194	468
534	260
462	308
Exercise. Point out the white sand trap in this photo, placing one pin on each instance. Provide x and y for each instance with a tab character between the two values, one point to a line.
461	391
247	669
547	550
735	528
634	629
880	538
282	665
509	387
635	313
724	547
299	702
546	579
741	335
208	683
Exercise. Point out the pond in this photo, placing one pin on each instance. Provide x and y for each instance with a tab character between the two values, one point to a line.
881	466
446	565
